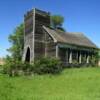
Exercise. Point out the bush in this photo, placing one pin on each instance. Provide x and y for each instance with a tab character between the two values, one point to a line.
47	65
41	66
15	67
1	68
12	67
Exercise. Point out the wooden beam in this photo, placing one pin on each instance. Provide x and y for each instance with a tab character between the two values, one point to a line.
80	57
87	58
70	57
57	51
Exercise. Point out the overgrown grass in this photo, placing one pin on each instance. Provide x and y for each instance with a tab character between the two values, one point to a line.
71	84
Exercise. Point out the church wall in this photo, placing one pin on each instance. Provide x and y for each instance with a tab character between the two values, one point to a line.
50	46
28	35
42	45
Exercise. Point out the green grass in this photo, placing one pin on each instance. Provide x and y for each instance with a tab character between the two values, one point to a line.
72	84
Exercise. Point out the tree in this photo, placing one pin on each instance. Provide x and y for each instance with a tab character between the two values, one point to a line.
57	22
17	41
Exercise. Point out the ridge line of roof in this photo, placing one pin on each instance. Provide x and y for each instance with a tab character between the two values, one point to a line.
72	38
55	40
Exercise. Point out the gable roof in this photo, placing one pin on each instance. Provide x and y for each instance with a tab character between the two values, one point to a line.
78	39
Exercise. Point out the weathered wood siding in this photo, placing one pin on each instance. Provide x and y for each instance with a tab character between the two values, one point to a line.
36	38
50	46
44	45
28	34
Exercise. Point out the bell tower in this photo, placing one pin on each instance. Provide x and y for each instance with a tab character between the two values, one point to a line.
34	46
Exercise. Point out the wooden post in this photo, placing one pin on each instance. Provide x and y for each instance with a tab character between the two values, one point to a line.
45	40
33	56
70	57
80	57
87	59
66	56
77	55
57	51
45	49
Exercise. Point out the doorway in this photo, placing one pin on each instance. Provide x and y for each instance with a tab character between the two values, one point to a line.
27	59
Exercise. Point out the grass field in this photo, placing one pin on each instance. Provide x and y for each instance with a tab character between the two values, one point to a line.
71	84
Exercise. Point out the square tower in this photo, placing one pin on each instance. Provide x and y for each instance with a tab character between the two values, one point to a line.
34	46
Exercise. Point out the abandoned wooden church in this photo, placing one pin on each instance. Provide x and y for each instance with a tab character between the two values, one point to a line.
42	41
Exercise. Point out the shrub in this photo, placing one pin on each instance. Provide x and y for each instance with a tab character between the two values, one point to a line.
47	65
14	67
41	66
1	68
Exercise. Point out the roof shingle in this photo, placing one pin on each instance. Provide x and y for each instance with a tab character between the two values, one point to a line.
70	38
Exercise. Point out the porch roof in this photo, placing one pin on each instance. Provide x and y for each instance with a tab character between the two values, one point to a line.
73	38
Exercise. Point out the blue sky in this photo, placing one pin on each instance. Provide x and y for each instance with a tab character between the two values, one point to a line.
80	16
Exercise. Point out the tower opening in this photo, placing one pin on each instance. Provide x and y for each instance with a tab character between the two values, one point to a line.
27	59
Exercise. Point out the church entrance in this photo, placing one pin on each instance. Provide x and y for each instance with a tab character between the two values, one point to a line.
27	59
